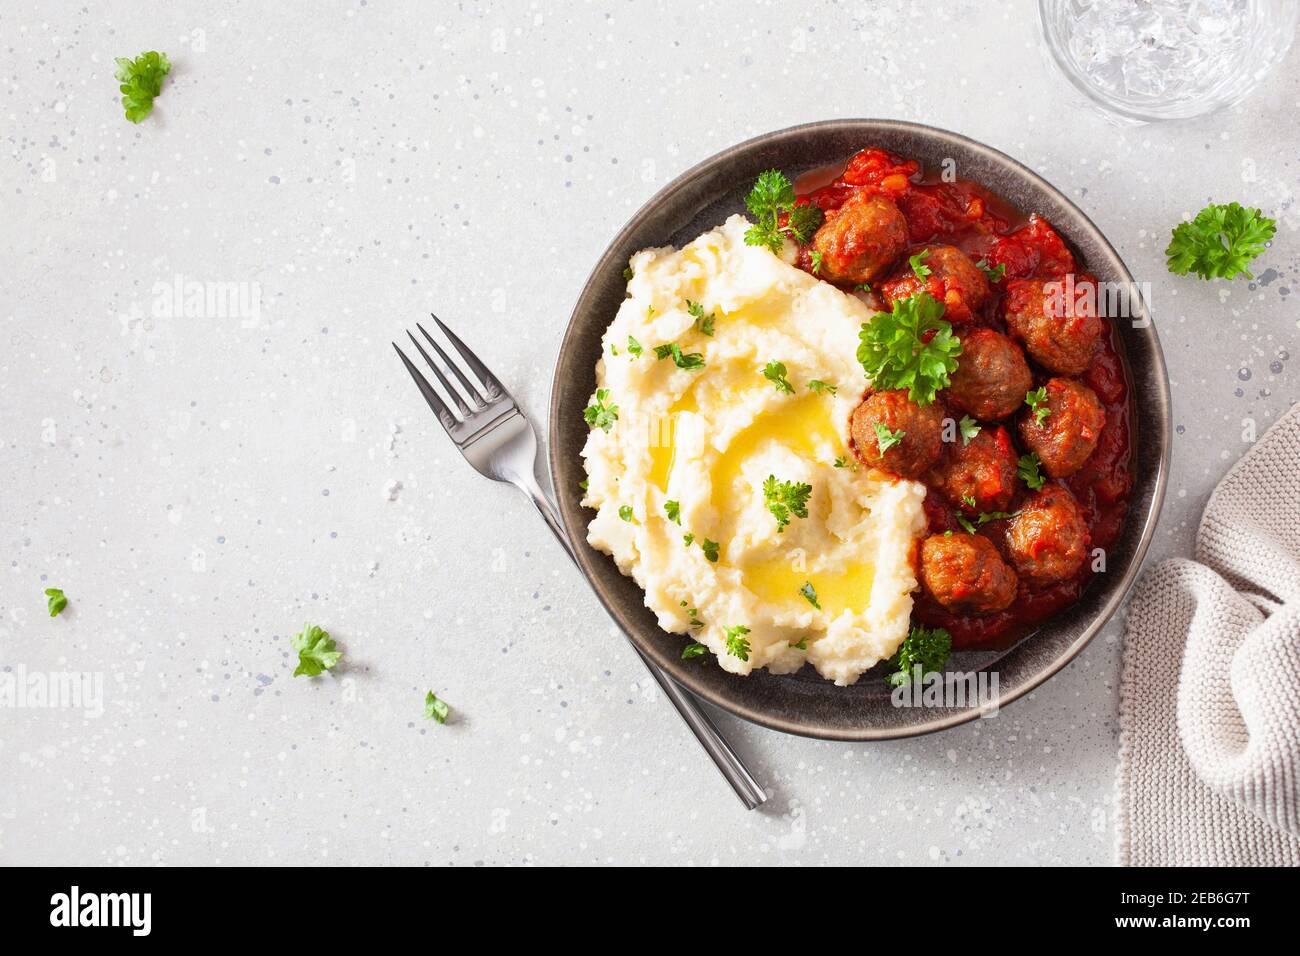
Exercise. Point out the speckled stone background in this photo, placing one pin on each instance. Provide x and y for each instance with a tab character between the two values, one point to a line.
201	480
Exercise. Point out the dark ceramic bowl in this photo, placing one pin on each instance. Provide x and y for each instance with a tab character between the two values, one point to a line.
702	198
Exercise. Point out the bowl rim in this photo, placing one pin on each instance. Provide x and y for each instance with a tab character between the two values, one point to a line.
585	554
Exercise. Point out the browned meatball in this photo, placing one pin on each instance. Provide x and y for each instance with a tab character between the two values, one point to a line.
914	440
965	573
1047	540
1069	433
954	279
1059	329
861	239
978	477
992	375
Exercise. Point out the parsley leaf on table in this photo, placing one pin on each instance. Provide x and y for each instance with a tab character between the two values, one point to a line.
1220	242
141	80
435	708
57	601
317	651
910	347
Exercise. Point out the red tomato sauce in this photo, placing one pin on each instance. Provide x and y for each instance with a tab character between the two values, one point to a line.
987	227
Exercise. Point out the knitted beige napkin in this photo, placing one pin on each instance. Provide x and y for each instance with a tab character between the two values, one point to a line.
1209	761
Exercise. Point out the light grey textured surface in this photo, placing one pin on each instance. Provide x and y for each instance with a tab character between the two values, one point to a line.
200	485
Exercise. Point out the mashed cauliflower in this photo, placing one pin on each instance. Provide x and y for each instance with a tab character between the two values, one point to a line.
678	477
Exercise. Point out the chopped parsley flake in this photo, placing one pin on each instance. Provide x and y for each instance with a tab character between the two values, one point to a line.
690	361
56	602
317	651
775	373
786	499
634	347
885	438
994	273
810	593
673	510
703	322
737	645
917	262
1037	400
600	415
435	709
625	512
969	429
820	387
693	650
1028	472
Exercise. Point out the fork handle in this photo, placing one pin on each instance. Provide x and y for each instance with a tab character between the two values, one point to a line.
726	759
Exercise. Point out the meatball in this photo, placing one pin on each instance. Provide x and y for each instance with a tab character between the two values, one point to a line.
915	433
992	375
1056	319
964	573
982	471
954	280
1069	433
1048	540
861	239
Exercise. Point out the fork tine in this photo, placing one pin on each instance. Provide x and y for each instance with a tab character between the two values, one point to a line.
475	393
494	388
435	402
442	379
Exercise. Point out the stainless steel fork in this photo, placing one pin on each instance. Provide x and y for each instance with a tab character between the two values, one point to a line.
495	437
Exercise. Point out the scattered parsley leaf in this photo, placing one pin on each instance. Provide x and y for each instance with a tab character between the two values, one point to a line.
57	601
969	429
690	361
600	415
1028	472
965	523
820	387
927	647
703	321
994	273
786	499
695	619
774	372
910	347
841	462
862	287
817	259
1037	400
1220	242
627	273
693	650
917	262
317	651
885	438
969	502
625	512
584	484
634	347
141	80
983	518
613	349
710	550
802	644
435	708
688	539
810	594
673	510
737	646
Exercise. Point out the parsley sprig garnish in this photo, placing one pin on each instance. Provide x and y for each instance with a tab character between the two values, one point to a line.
690	361
772	195
703	320
1027	471
910	347
775	372
786	499
969	429
994	273
1037	400
928	647
141	81
885	439
737	645
599	414
1220	242
917	262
